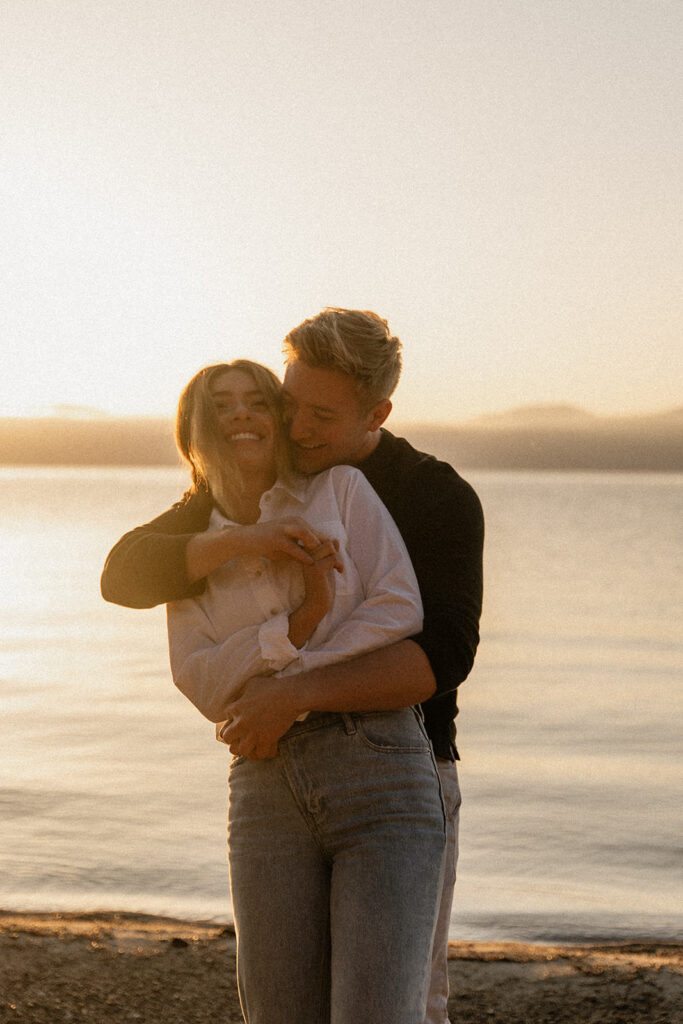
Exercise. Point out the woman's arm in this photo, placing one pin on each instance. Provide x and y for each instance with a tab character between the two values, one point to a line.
210	670
391	608
318	592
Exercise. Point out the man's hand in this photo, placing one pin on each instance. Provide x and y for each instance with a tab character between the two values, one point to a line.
262	713
289	537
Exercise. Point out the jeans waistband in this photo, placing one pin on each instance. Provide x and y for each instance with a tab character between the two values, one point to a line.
348	719
322	720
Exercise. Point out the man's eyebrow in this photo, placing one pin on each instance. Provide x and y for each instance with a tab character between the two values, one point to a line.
317	408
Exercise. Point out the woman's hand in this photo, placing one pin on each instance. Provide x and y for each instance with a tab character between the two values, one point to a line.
319	587
318	579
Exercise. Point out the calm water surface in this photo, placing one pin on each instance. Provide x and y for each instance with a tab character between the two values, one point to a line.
112	789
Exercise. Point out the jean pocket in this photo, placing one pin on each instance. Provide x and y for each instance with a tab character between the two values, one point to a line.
392	732
450	786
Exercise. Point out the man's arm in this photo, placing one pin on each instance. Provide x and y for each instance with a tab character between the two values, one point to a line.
148	566
169	558
445	538
443	527
289	537
382	680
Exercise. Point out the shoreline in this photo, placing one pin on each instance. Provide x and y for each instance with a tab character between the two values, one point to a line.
106	966
153	929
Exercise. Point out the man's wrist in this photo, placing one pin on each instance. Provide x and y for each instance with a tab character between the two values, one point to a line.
288	693
235	541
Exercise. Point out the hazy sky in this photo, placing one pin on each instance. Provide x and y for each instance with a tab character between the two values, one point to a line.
185	180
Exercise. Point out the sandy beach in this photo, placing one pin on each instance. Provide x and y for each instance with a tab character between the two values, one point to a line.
99	967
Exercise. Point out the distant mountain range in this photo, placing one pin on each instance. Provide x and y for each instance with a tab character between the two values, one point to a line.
559	437
529	437
563	416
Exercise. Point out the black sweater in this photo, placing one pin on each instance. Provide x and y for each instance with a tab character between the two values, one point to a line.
441	522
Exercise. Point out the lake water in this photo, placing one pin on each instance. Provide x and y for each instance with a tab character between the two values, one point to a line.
112	788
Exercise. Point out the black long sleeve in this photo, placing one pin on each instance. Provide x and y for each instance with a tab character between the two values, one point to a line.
441	521
146	567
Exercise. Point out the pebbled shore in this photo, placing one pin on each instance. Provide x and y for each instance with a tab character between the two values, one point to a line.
106	967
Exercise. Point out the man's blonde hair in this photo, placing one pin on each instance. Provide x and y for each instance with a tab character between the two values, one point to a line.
353	341
200	441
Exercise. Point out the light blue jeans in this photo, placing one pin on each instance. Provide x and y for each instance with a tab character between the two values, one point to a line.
336	851
437	997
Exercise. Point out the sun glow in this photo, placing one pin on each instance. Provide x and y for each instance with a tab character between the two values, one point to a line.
180	189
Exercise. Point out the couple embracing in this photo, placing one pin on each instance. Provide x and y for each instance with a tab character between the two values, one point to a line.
323	581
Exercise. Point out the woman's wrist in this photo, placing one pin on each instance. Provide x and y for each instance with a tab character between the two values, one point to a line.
304	621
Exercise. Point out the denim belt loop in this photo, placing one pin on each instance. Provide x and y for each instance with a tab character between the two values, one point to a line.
349	723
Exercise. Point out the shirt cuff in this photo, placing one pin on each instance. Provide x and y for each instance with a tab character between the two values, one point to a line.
276	648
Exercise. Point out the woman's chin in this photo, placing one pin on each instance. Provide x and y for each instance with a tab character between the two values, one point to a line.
254	463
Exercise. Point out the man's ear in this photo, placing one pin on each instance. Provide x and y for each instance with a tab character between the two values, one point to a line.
379	413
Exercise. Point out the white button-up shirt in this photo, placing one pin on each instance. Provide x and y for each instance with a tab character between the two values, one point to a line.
238	628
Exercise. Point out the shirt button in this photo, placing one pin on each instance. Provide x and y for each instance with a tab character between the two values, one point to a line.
273	611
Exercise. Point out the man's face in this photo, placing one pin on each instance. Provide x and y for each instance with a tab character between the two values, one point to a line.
328	424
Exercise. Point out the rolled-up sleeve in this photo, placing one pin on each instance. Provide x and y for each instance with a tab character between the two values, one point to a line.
210	671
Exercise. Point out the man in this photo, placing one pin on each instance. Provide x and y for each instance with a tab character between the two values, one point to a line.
342	367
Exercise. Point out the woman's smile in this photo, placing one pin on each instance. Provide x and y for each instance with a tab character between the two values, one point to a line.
246	422
243	435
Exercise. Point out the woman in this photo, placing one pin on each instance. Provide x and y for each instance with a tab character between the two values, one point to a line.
335	844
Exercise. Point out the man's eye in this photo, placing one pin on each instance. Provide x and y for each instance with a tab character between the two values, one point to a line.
324	416
259	404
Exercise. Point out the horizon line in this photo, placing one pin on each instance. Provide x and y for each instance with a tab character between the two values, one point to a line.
564	411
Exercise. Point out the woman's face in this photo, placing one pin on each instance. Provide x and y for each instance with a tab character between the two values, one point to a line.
245	420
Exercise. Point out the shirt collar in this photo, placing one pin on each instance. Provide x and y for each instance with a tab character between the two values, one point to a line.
295	486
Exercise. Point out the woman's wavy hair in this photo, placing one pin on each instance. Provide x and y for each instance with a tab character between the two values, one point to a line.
199	439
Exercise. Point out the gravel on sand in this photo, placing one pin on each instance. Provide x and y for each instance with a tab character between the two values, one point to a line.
97	968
